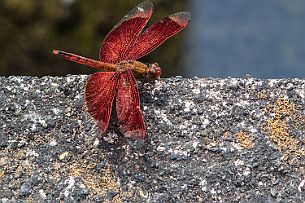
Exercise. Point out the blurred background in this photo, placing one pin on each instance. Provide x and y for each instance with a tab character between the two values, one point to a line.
265	39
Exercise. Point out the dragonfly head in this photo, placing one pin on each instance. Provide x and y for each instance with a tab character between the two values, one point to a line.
154	71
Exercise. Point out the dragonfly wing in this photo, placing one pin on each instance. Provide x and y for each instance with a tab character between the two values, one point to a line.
122	36
157	33
128	107
99	95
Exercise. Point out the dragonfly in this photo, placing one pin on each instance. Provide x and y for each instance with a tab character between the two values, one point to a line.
122	46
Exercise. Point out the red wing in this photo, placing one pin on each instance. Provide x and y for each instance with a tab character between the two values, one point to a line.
99	95
118	40
157	33
128	107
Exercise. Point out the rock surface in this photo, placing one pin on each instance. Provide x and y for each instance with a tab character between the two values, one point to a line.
209	140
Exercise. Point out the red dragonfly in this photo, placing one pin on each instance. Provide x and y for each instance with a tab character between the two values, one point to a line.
123	45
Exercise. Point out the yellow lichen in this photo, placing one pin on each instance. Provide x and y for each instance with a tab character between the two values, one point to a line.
278	133
102	184
56	174
25	167
63	155
98	182
283	108
2	173
29	199
245	139
262	95
283	117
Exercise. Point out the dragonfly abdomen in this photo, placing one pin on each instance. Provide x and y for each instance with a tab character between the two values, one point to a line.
86	61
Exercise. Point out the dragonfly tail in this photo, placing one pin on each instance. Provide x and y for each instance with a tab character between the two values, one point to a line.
77	59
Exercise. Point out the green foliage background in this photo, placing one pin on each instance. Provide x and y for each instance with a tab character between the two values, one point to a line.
31	29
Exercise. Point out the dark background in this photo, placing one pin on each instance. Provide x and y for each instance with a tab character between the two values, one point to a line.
225	38
31	29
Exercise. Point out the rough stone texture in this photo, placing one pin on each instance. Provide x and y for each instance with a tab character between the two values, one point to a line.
209	140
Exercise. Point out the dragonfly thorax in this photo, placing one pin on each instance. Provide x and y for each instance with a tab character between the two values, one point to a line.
140	70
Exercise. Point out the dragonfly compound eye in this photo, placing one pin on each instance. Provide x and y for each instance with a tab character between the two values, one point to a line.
158	72
154	71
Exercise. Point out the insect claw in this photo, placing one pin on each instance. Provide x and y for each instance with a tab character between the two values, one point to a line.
141	84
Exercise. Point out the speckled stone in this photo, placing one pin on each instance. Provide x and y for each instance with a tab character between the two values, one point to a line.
25	189
209	140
